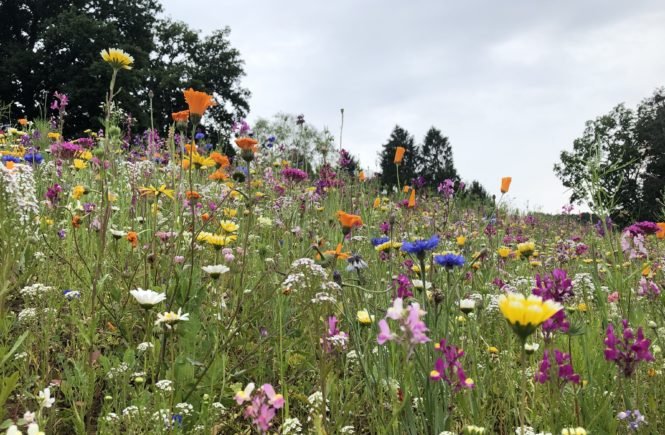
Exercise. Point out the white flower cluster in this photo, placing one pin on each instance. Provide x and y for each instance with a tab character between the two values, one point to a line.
184	408
20	192
117	371
35	290
27	314
291	426
164	385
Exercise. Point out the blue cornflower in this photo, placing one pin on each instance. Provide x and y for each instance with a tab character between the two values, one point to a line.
199	136
449	261
71	294
35	158
419	247
10	158
380	240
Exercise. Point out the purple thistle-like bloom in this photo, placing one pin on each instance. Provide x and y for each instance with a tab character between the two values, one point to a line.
644	227
419	247
294	174
564	368
627	351
449	368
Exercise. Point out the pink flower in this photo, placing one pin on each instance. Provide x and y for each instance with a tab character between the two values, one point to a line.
613	297
384	332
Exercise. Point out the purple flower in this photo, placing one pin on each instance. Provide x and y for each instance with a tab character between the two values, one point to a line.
294	174
403	286
334	339
449	261
385	227
449	368
648	288
557	286
627	351
564	368
53	194
262	405
634	419
412	330
446	188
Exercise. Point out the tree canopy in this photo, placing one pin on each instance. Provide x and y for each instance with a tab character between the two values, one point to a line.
54	45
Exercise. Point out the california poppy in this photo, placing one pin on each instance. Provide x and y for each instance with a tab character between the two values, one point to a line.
198	103
361	176
661	230
246	143
221	160
412	199
181	116
348	221
23	121
505	184
399	155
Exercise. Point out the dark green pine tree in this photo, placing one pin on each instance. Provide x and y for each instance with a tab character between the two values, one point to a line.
436	159
407	170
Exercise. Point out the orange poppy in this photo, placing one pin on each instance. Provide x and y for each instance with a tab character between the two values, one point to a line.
361	176
412	199
192	194
221	160
189	148
399	155
198	101
405	189
505	184
349	221
133	238
377	202
661	230
181	116
23	122
246	143
218	175
205	217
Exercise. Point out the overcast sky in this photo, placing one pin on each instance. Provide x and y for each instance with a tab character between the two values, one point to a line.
510	83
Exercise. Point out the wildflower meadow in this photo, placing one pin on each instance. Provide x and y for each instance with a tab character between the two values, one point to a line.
161	281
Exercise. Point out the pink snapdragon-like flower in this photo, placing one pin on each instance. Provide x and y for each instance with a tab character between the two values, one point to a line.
262	406
412	330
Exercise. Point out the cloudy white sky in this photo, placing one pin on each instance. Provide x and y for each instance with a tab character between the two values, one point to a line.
510	83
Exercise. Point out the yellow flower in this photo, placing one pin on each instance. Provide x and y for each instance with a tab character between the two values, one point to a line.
198	160
229	226
461	240
85	155
535	263
526	249
493	350
582	307
364	318
526	314
573	431
54	135
78	192
155	192
118	59
504	252
230	212
387	245
80	164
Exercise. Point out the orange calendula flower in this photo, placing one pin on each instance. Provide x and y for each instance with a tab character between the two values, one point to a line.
205	217
505	184
192	195
181	116
133	238
399	155
218	175
198	102
76	221
348	221
221	160
412	199
246	143
661	230
22	121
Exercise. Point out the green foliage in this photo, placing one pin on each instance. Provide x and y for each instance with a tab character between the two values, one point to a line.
436	159
620	158
54	45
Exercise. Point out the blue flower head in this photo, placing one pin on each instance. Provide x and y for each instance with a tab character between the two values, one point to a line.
380	240
449	261
419	247
35	158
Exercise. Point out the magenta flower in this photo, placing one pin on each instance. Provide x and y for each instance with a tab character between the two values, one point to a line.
627	351
334	339
564	368
263	404
648	288
384	332
449	368
412	330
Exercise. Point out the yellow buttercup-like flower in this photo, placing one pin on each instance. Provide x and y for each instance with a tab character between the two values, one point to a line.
118	59
526	314
80	164
504	252
526	249
229	226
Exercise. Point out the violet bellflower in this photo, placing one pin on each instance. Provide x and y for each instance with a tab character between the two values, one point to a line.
628	350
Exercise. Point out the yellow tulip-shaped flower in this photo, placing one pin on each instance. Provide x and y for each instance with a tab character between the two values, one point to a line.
526	314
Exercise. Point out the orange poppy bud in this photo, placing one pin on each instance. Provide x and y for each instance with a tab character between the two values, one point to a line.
399	155
361	176
133	238
661	230
412	199
405	189
505	184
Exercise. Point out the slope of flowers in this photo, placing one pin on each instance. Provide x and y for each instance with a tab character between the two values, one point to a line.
151	284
